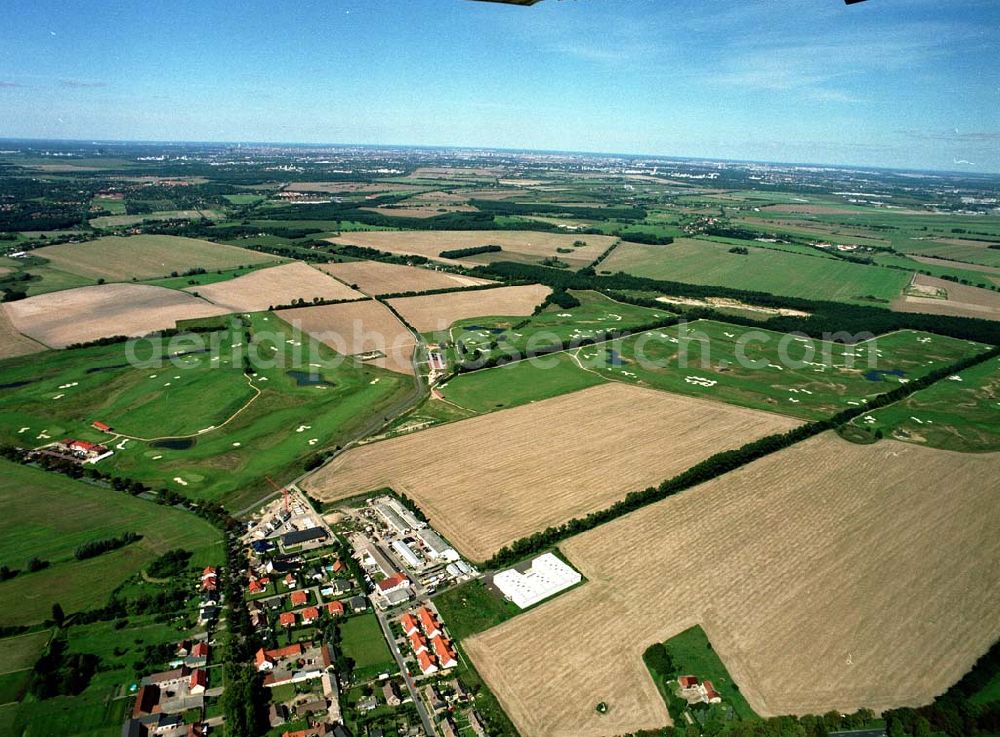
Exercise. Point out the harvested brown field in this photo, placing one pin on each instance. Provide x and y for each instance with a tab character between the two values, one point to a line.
966	242
355	328
517	245
962	301
146	257
514	472
279	285
12	343
827	576
932	261
376	277
418	210
438	311
58	319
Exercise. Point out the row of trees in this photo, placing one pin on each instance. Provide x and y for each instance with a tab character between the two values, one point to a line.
93	548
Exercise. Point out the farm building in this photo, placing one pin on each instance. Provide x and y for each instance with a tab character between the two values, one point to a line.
546	576
297	537
437	548
406	554
84	450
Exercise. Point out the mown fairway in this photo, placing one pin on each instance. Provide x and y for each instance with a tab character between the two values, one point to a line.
47	515
960	413
702	358
521	470
146	257
815	379
593	317
279	424
796	566
763	270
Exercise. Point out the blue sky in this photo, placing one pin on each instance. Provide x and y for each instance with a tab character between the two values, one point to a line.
905	83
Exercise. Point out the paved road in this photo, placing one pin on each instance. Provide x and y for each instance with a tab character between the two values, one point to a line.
410	686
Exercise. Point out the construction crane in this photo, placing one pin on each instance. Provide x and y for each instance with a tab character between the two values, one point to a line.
282	489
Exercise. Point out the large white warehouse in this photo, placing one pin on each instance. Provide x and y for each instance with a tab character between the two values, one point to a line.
547	576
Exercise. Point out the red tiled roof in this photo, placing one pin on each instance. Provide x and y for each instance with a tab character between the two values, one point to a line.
409	623
310	612
442	650
418	642
428	620
200	650
392	582
688	681
286	652
335	607
710	691
147	701
299	598
97	425
287	619
425	662
198	678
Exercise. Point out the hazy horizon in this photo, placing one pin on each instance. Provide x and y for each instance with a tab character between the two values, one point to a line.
906	85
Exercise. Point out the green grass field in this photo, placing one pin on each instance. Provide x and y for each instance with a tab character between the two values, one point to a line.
595	315
101	708
17	656
210	277
472	608
518	383
47	515
763	270
273	435
362	641
692	654
834	379
146	257
955	415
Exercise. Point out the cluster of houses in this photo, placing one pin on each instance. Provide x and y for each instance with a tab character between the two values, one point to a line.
449	698
81	451
164	697
428	642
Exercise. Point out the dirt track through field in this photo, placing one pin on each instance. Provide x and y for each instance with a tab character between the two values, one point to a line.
489	480
827	576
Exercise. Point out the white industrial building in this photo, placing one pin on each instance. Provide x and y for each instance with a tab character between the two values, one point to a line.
547	576
437	548
406	554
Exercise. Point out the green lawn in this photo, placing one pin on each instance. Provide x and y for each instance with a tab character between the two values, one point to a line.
192	393
101	708
472	608
595	315
954	415
362	641
518	383
47	515
692	654
763	270
686	359
17	656
814	380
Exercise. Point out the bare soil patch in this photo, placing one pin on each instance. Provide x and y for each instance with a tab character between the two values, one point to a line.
279	285
58	319
357	328
489	480
375	277
438	311
523	245
933	261
12	343
827	576
962	300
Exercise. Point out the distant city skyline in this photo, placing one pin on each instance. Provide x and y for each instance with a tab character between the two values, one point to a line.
909	84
